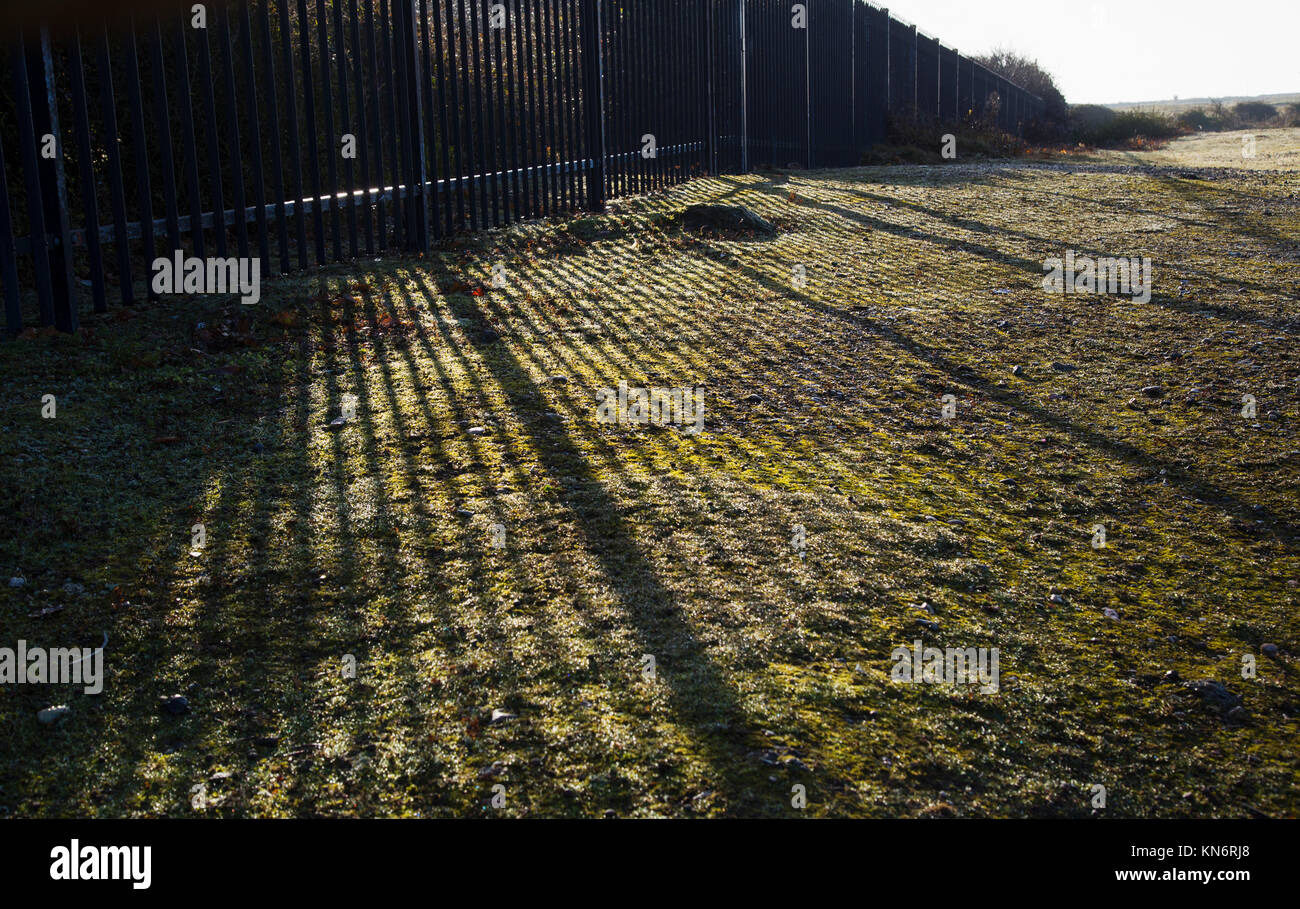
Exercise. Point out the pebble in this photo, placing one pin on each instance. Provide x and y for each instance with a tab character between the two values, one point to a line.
1057	600
476	430
1268	649
17	582
492	772
337	423
1153	391
1110	614
51	715
1017	370
502	716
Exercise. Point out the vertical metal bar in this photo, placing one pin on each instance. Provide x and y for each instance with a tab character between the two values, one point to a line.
273	110
210	135
482	118
573	120
419	210
291	115
345	127
117	192
544	106
454	65
254	136
53	197
744	93
363	147
392	128
381	213
232	130
331	134
444	137
402	99
518	191
472	170
8	257
429	162
191	163
140	152
313	146
500	118
535	107
162	122
86	171
41	255
593	99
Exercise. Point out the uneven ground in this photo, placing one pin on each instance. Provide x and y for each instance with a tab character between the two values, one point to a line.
823	410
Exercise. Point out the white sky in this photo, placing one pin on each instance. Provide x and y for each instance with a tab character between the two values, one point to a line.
1108	51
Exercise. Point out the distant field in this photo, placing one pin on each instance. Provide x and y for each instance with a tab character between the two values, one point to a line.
1185	104
1275	149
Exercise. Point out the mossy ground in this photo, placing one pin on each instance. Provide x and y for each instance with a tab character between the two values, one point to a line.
374	541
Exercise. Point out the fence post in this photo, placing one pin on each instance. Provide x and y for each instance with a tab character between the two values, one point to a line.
593	99
408	32
744	94
53	201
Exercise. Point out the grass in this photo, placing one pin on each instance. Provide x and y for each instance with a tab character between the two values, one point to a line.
823	410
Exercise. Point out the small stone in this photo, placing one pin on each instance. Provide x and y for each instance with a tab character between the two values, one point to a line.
17	582
1153	391
502	716
476	430
1171	676
1214	695
1110	614
558	380
1017	370
1268	649
492	772
1057	600
51	715
1064	367
464	513
336	424
176	704
754	399
1238	714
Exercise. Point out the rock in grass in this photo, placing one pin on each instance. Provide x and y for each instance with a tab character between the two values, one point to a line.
1214	695
1153	391
51	715
492	772
17	582
336	424
476	431
176	704
500	715
735	218
1268	649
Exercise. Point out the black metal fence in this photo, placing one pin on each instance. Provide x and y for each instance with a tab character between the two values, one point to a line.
303	132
